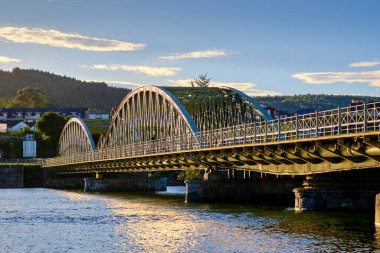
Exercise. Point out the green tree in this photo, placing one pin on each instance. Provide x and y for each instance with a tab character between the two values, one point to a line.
11	148
50	126
29	98
201	81
190	174
4	102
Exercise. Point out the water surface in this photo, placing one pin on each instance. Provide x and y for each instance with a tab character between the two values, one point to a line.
44	220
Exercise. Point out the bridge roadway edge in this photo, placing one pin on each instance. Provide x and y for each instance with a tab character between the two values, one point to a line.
270	158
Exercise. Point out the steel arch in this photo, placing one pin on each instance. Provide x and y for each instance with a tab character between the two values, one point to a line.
219	107
259	109
149	113
75	138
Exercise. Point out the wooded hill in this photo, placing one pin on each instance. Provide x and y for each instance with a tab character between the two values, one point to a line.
319	102
63	91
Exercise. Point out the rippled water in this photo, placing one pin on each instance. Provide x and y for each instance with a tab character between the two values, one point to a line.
43	220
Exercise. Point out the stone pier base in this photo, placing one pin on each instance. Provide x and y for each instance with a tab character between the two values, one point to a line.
216	189
11	176
64	183
125	184
377	210
349	191
309	199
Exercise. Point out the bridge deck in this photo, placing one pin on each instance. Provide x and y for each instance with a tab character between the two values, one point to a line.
333	140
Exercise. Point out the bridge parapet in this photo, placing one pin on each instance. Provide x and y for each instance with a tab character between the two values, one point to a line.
350	122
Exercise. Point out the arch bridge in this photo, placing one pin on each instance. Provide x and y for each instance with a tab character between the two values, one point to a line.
177	128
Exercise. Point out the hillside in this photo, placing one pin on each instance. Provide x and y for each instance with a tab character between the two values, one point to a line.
61	91
64	91
321	102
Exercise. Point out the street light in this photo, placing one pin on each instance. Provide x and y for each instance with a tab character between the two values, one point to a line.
11	150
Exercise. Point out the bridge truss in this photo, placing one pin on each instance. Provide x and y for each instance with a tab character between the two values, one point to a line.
75	139
152	113
332	140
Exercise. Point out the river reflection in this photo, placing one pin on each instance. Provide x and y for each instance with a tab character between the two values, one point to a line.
41	220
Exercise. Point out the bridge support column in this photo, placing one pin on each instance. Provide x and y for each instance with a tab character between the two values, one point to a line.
338	191
120	184
63	181
247	174
231	173
377	210
216	187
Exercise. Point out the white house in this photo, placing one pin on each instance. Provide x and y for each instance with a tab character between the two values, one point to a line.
18	127
98	115
3	127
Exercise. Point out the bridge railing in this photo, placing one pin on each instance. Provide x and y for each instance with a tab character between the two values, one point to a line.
347	120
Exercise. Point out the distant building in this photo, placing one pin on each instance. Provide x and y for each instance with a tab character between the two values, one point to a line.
3	127
33	114
98	115
274	113
16	126
356	101
18	118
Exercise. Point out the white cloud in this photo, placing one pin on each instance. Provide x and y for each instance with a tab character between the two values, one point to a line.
152	71
8	59
362	64
122	84
56	38
197	54
248	88
370	77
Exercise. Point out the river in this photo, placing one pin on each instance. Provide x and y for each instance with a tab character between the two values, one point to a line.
45	220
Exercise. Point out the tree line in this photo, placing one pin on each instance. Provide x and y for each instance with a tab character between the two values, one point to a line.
60	91
318	102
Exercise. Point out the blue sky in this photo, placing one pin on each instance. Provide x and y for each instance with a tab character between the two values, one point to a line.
260	47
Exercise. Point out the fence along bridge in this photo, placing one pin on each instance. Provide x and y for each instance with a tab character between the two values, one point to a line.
178	128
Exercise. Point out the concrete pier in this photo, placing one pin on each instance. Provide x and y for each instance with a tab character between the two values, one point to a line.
348	191
125	184
215	188
377	210
64	183
333	199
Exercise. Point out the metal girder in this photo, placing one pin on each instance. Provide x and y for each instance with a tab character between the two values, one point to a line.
224	157
246	160
259	161
219	161
337	153
269	158
197	160
283	159
359	150
305	160
367	140
315	153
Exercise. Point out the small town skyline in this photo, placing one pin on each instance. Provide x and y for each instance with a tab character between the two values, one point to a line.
259	47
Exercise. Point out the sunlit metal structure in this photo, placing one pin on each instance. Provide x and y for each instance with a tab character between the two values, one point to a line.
75	138
174	128
151	113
